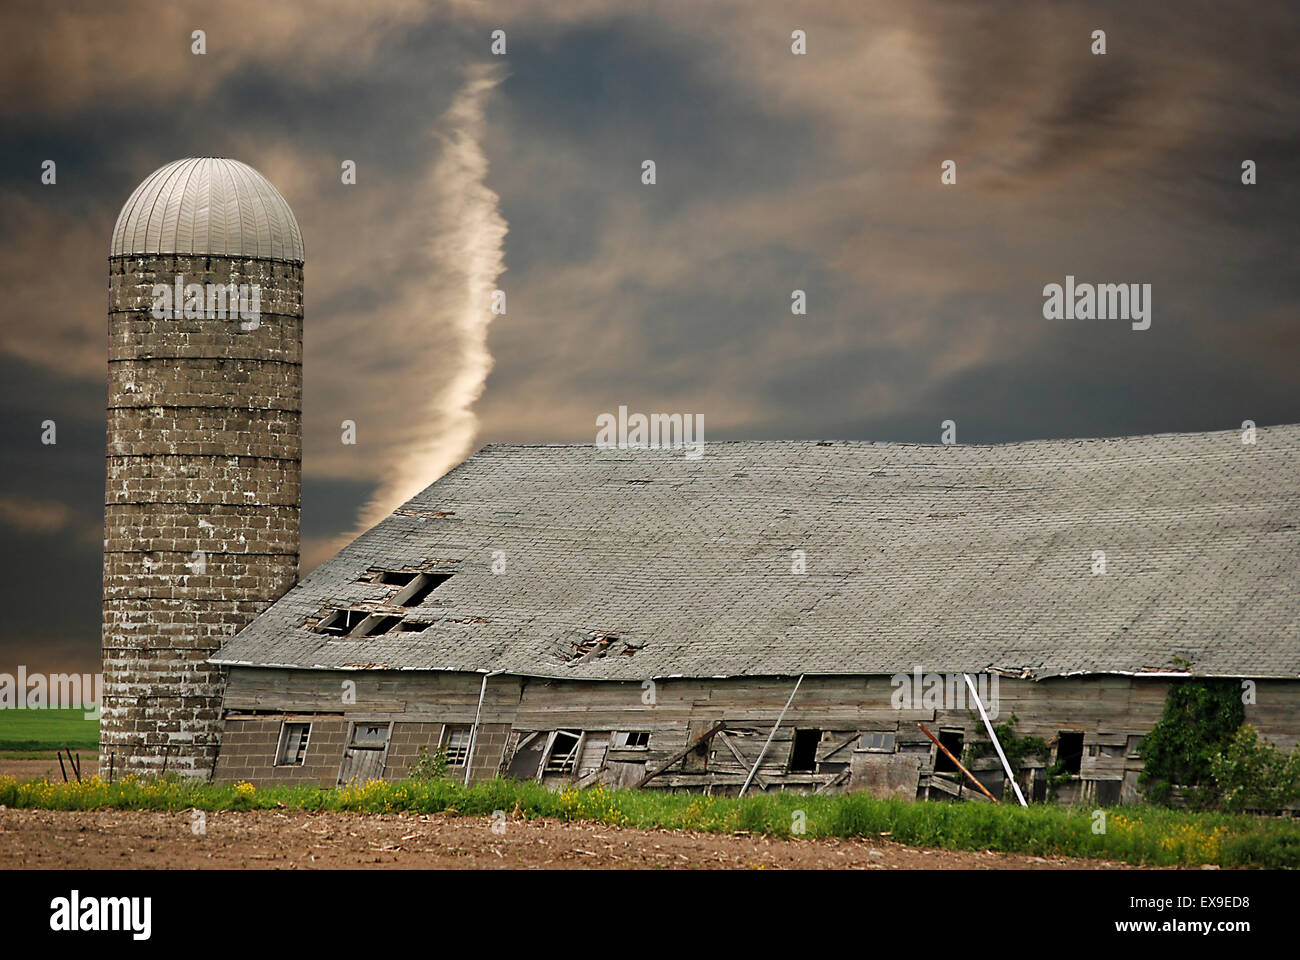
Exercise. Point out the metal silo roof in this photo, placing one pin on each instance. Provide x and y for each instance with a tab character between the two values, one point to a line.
208	206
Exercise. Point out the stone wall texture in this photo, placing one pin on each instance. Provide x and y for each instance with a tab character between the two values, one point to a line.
202	501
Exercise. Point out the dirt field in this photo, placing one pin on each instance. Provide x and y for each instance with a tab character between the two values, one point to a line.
291	840
295	840
45	767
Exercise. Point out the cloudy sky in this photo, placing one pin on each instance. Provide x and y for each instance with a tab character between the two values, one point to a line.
775	172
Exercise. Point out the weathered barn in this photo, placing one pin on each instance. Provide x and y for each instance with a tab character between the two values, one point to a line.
577	615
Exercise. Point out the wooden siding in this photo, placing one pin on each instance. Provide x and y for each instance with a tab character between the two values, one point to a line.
1107	710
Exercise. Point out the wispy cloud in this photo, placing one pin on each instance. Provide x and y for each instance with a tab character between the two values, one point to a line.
465	251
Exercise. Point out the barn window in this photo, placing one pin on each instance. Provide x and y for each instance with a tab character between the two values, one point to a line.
1133	745
455	741
631	738
1069	751
953	740
369	736
292	750
803	754
420	586
877	742
564	753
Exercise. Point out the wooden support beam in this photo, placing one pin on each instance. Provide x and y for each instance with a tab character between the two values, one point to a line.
704	737
735	752
577	755
838	747
776	726
546	754
842	775
948	754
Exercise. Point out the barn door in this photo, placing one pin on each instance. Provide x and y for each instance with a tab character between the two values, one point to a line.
365	753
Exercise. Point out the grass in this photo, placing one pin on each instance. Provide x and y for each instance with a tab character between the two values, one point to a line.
47	730
1138	835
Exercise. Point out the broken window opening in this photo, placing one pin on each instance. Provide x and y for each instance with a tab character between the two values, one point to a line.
369	736
953	740
420	586
803	753
527	756
1069	751
877	742
564	753
292	749
631	738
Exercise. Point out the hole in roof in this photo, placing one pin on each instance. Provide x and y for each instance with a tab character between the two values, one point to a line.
591	645
340	623
375	625
419	587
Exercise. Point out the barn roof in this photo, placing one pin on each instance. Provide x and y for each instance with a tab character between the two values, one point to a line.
635	564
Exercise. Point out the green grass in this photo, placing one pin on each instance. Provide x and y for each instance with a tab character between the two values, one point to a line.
1138	835
47	730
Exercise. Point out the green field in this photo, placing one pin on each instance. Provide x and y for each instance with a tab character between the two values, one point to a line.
47	730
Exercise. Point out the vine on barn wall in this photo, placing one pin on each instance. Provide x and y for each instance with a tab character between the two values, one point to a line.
1199	721
1017	751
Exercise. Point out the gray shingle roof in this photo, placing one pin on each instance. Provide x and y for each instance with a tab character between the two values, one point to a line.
952	558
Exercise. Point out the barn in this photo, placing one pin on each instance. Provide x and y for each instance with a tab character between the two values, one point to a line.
778	615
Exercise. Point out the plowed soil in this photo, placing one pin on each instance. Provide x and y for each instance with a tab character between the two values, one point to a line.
291	840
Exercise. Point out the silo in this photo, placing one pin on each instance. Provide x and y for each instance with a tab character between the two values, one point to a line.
204	449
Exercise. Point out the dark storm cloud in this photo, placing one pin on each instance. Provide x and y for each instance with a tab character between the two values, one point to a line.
775	172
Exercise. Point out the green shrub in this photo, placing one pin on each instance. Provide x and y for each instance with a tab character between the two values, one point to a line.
428	766
1199	720
1251	774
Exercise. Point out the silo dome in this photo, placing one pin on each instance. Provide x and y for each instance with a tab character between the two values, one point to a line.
208	206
